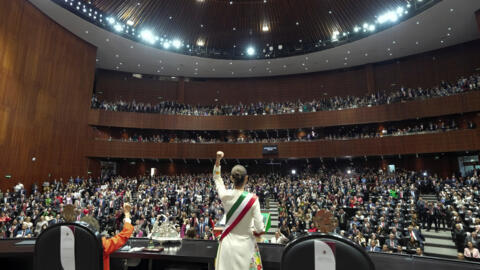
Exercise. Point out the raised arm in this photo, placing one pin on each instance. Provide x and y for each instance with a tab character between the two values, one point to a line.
112	244
217	176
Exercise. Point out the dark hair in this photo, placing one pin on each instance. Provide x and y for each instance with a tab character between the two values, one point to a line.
238	174
191	233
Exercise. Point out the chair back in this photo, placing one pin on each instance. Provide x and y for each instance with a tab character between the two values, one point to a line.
68	246
304	252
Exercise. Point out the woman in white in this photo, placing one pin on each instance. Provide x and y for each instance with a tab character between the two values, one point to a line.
237	249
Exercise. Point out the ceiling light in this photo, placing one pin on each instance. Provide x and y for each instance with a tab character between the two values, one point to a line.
110	20
148	36
335	35
166	45
200	42
130	22
371	28
265	28
280	47
250	51
389	16
118	27
176	43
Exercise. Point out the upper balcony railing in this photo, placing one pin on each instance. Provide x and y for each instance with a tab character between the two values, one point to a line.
455	104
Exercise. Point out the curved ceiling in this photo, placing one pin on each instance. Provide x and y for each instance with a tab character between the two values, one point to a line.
447	23
232	26
245	29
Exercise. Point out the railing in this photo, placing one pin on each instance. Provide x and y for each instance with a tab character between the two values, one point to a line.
453	141
457	104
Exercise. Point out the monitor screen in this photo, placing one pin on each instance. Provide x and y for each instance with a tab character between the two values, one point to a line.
270	149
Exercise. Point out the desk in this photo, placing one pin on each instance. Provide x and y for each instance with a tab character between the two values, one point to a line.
202	253
199	252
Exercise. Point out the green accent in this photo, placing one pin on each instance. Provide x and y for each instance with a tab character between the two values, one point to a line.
236	205
8	176
267	220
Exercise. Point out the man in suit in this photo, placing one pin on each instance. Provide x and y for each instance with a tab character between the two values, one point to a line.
415	234
342	219
373	247
392	243
24	232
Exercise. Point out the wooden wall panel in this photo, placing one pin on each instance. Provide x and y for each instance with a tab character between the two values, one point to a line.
455	141
46	79
430	68
278	89
114	85
425	70
468	102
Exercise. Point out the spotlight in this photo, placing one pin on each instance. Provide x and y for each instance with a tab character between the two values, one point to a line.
349	172
294	172
371	28
166	45
148	36
176	43
130	22
335	35
389	16
424	173
200	42
110	20
265	28
118	27
250	51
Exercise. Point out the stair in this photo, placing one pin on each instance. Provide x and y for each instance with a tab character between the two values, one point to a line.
272	209
439	244
429	197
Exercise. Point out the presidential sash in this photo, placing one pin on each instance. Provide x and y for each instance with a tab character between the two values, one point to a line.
239	209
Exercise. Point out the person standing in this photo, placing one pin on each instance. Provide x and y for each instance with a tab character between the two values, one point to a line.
238	249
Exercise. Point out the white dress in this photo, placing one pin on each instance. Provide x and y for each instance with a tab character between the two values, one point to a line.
236	250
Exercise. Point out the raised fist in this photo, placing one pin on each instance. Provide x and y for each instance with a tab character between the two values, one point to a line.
127	208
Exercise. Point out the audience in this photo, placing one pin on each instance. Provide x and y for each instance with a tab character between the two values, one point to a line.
402	128
403	94
380	211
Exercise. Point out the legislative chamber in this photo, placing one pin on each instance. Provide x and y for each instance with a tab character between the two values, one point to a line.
239	135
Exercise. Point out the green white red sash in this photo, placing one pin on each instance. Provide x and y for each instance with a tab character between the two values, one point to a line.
239	209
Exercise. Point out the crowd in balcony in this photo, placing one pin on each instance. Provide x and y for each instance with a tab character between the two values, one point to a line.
403	94
403	128
381	211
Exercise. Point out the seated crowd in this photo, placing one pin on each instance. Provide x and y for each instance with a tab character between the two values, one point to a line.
381	211
462	85
402	128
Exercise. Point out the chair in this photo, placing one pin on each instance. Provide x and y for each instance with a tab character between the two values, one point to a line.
300	253
88	251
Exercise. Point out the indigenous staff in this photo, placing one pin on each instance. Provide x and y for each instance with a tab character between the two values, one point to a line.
238	249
